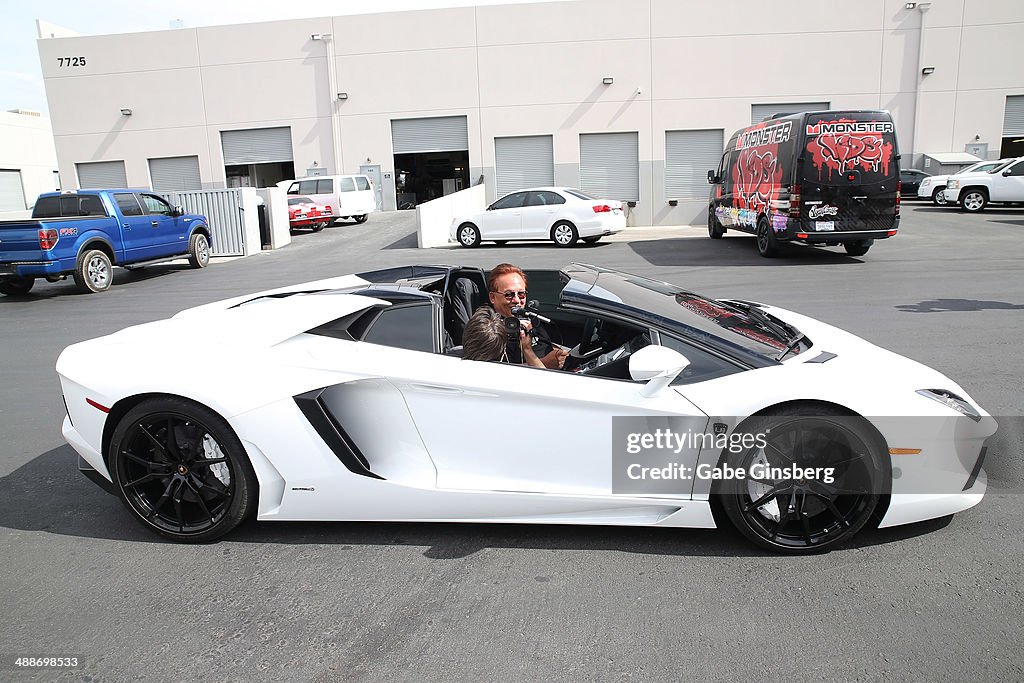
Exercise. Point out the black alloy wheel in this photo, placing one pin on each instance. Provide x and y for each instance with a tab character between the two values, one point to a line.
715	229
180	469
805	514
766	245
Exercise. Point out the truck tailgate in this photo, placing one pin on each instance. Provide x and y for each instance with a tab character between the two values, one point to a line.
20	242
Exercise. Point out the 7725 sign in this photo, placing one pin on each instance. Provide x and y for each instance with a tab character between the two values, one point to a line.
70	61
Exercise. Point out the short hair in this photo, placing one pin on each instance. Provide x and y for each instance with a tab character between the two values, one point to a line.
484	336
503	269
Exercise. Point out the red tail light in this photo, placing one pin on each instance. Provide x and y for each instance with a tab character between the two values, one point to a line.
47	238
794	202
602	208
327	208
899	188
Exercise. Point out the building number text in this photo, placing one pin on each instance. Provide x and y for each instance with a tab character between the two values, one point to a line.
70	61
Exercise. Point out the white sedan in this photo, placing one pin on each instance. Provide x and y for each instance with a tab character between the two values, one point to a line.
561	214
672	410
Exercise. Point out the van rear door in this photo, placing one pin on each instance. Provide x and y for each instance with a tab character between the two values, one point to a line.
849	172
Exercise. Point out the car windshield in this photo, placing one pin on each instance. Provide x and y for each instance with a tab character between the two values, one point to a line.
292	201
580	195
1001	166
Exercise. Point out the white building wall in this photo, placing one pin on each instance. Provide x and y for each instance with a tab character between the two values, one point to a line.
535	70
26	145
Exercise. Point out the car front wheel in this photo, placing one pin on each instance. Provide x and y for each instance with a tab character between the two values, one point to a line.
469	235
198	251
811	481
181	470
973	201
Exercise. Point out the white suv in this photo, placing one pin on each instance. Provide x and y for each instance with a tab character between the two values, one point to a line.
932	187
974	191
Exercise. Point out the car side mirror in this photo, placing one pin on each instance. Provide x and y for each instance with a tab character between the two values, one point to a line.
177	211
712	178
1006	172
656	365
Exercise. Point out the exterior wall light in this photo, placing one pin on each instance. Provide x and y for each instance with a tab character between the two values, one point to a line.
343	96
927	70
126	112
607	80
321	36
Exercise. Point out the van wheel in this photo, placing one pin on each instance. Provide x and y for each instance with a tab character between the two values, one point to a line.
973	200
198	251
469	235
857	248
563	234
715	229
93	272
939	196
766	245
16	286
361	218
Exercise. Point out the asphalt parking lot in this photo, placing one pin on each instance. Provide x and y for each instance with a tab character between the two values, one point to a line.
386	602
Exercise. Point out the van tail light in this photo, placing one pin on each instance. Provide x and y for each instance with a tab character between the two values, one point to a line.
899	188
794	202
47	238
602	208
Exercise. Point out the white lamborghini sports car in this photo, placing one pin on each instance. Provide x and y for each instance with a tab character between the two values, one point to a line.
346	399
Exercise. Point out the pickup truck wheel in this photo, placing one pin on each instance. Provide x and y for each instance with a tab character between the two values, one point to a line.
93	273
973	200
198	250
939	196
16	286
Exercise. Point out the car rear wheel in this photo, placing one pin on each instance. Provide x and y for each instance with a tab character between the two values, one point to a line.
973	200
16	286
564	234
469	235
823	507
93	272
361	218
766	245
715	229
317	227
939	196
592	240
181	470
858	247
198	251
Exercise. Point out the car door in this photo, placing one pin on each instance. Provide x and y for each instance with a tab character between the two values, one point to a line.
1009	185
167	232
503	219
539	213
500	427
136	227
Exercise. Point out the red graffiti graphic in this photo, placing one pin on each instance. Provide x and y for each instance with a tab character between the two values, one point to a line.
848	151
756	177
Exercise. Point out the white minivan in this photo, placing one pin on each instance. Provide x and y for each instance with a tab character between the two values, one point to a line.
347	196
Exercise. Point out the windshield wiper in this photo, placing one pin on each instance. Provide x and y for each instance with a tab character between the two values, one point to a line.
763	319
791	344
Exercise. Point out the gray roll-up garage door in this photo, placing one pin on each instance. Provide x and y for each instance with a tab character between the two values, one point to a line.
760	112
519	162
1013	118
689	155
610	165
12	193
175	173
101	174
434	134
256	145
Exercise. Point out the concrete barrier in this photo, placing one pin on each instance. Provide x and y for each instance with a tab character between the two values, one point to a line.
434	218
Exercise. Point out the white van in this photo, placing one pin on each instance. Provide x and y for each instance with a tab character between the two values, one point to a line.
348	196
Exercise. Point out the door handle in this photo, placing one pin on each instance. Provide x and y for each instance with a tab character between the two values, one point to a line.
156	223
126	226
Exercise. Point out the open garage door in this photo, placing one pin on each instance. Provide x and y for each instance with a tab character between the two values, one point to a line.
101	174
519	162
1013	127
175	173
431	158
257	157
610	165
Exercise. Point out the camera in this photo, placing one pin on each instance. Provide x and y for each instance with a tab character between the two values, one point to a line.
512	349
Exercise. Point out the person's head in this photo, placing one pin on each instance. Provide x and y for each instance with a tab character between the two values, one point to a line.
484	336
506	288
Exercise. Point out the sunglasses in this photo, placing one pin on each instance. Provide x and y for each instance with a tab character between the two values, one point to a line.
509	295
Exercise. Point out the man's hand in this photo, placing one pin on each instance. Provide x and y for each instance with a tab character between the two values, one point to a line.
555	360
529	357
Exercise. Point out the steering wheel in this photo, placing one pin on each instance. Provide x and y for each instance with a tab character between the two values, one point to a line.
590	346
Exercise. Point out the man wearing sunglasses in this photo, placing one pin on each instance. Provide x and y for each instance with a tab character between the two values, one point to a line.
507	288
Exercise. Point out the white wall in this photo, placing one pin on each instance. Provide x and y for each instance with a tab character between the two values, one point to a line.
434	218
26	145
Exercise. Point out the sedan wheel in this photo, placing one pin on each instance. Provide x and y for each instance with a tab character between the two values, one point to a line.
469	235
564	234
181	470
822	507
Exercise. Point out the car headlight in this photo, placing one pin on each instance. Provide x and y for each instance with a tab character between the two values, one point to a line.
926	183
951	400
953	185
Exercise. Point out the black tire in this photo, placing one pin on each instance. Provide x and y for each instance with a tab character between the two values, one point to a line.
198	250
317	227
361	218
973	200
766	245
592	240
939	197
715	229
858	247
181	470
93	272
469	235
564	234
809	515
16	286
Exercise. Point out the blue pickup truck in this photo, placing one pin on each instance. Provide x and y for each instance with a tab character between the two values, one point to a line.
86	232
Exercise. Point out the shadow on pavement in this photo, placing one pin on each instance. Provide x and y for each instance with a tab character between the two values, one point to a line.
735	251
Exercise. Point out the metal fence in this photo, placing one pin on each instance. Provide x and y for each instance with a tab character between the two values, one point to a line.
223	209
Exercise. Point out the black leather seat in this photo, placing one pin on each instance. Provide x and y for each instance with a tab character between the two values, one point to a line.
464	297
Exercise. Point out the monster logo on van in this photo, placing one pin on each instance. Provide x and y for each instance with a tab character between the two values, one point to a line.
756	178
844	145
